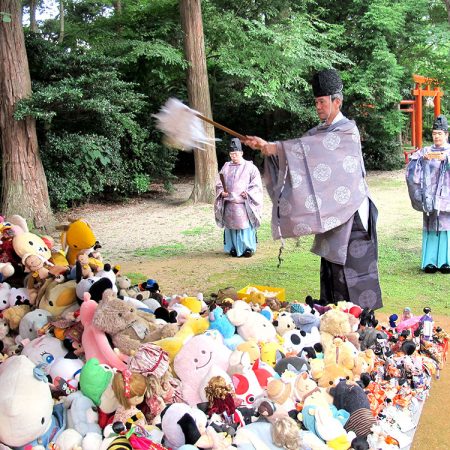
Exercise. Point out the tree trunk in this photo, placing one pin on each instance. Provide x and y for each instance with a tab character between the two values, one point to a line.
61	21
24	185
447	5
199	98
33	23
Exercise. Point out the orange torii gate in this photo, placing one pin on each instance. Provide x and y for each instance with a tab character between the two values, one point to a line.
414	107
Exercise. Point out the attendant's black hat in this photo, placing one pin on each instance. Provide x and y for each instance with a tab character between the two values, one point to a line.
440	123
235	145
326	82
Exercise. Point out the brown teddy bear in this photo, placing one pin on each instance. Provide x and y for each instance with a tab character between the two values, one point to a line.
127	290
336	323
128	326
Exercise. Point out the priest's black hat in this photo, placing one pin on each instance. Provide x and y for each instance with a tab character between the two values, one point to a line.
326	82
440	123
235	145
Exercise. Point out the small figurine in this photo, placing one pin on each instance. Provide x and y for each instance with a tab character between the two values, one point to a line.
427	324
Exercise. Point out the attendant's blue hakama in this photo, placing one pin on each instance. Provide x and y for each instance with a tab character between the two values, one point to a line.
240	240
435	248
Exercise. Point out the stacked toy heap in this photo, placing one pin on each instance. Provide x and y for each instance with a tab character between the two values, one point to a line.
91	362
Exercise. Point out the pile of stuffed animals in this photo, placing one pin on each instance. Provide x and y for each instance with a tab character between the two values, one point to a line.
90	362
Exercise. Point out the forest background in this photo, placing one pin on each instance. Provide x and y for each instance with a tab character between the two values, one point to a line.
99	70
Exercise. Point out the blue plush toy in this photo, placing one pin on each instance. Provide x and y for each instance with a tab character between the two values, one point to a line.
219	321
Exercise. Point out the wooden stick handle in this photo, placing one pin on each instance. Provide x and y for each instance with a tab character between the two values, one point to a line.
218	125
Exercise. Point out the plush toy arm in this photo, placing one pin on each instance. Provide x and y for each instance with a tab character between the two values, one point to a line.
126	344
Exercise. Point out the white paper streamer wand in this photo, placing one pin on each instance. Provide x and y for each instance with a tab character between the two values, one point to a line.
182	126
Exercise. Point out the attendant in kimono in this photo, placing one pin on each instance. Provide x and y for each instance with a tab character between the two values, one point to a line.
317	185
238	205
428	179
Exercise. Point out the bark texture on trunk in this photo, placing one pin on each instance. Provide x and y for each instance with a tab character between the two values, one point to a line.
24	184
199	98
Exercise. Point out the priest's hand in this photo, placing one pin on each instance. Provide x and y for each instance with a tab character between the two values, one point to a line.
257	143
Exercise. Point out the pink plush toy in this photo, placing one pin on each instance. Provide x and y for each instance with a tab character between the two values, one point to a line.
94	341
200	358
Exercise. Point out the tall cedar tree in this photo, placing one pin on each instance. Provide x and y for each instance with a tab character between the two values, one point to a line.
24	184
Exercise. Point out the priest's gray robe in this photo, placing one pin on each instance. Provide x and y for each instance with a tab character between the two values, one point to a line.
317	183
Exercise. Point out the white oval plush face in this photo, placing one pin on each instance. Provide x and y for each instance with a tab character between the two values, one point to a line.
32	244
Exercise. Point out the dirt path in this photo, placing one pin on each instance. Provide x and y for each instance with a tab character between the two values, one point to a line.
161	219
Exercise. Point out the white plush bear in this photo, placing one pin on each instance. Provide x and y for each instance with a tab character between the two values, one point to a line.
250	324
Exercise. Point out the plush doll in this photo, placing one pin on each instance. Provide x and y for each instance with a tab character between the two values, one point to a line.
271	352
218	320
14	314
82	414
214	441
95	342
247	387
251	325
199	359
6	341
192	327
182	424
162	388
18	296
5	289
6	270
292	364
281	393
32	322
305	321
341	353
28	417
56	298
76	236
221	398
128	327
306	392
129	389
296	340
50	353
336	323
126	289
256	436
284	322
251	347
352	398
96	384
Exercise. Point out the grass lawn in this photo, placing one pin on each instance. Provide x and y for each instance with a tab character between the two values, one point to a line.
399	239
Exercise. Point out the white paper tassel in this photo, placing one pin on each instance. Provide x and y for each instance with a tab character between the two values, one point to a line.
181	127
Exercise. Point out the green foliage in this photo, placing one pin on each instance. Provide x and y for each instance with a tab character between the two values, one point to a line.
96	92
90	127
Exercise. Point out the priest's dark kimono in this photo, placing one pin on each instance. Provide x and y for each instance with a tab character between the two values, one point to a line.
317	185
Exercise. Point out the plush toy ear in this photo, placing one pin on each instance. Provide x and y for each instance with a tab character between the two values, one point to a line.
189	429
19	222
100	286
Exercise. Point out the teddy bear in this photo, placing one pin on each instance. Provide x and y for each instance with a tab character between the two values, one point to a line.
336	323
126	289
127	326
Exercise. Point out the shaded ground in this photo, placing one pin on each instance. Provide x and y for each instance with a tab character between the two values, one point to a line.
127	230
